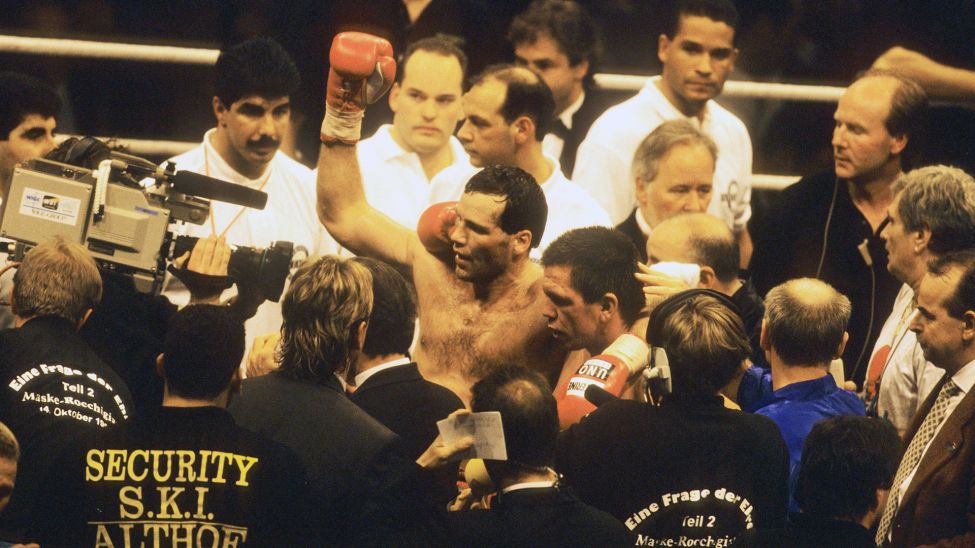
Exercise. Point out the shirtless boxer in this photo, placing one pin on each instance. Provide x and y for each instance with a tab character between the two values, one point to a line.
480	304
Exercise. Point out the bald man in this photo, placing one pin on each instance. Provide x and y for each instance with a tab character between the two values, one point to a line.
803	331
705	241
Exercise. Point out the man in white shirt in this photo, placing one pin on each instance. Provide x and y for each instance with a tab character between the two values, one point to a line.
508	110
253	84
697	55
931	500
400	159
932	214
557	40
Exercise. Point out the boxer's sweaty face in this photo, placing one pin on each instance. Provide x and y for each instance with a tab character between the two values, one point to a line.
696	61
572	321
481	248
427	103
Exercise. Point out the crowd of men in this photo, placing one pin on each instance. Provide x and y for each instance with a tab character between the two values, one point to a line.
668	370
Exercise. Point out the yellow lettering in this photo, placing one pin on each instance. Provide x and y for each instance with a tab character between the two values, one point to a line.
116	464
222	459
131	464
185	459
233	537
102	538
245	464
155	529
130	496
201	493
204	456
167	502
94	470
214	534
156	473
186	539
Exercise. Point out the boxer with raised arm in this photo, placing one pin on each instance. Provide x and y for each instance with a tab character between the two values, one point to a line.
479	298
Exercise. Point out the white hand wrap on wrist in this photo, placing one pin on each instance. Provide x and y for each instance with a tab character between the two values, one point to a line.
341	126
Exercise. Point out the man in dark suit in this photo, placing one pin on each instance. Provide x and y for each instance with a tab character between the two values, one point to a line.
532	507
673	170
557	40
303	405
931	500
388	384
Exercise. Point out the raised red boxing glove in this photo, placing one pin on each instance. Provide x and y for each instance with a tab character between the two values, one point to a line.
434	228
609	371
362	70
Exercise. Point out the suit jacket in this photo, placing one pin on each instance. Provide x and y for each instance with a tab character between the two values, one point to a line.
594	104
346	453
631	229
543	516
939	505
407	404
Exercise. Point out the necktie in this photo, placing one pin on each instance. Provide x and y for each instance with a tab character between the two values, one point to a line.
913	455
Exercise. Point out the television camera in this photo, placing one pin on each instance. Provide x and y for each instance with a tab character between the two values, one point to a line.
87	193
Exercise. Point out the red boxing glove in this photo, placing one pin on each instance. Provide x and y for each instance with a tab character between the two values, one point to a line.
434	228
609	371
362	70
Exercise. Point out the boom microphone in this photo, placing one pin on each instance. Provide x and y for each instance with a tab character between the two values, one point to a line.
194	184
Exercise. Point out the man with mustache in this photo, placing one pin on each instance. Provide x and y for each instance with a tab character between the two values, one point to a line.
827	226
253	83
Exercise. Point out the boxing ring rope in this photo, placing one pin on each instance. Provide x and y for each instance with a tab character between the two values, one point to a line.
61	47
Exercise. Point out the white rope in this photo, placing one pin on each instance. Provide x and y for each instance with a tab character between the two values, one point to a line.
107	50
200	56
734	88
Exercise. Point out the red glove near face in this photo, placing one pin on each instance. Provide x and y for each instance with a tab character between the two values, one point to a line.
362	70
434	228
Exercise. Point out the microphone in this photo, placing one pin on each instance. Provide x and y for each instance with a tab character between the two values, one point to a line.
597	396
194	184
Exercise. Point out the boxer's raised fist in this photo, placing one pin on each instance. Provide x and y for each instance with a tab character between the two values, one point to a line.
434	228
362	70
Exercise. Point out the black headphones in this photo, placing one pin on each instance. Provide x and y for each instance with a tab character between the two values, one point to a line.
656	376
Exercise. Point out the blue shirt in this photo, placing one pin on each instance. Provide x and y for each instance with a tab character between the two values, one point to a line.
797	407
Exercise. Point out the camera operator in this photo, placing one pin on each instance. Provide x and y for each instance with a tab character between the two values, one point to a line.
128	328
253	84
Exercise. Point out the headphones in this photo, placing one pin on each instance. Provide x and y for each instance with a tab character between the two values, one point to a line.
657	376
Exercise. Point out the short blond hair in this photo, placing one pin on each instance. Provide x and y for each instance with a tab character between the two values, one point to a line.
327	300
57	278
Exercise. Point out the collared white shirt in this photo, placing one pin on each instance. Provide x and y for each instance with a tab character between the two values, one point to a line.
643	224
361	377
393	179
964	378
907	378
604	158
552	144
528	485
290	215
568	205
